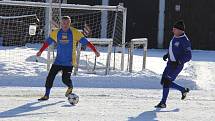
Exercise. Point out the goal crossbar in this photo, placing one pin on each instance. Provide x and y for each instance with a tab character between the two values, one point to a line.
14	17
63	5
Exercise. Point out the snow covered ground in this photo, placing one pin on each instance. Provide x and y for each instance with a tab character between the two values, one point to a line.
120	96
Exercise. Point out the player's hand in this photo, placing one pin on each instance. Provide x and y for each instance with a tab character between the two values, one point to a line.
97	54
165	57
38	53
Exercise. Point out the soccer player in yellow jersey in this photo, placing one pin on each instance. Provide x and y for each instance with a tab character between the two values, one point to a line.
66	38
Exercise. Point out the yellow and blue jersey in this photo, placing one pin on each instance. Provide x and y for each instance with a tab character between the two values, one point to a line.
66	45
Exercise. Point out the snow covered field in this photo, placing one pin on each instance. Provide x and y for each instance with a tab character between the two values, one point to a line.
120	96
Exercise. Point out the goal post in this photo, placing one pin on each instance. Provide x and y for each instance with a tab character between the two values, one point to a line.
140	42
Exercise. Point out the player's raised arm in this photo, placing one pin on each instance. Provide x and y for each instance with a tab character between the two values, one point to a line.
92	47
83	40
49	40
45	45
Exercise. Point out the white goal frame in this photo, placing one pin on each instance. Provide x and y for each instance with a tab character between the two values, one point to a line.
137	41
97	41
48	20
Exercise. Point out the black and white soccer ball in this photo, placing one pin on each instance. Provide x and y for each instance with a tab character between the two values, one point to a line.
73	98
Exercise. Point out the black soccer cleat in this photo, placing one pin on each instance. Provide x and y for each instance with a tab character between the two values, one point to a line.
160	105
184	94
43	98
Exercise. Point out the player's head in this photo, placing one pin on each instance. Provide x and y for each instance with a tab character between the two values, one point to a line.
65	22
178	28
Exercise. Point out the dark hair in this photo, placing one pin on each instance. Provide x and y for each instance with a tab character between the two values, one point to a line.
66	18
179	25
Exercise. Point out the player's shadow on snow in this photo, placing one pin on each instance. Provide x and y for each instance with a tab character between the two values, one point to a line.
150	115
26	109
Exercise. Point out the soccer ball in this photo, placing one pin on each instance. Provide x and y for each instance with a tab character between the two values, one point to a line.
73	98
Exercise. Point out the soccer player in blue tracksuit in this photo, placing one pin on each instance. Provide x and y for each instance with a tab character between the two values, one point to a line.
66	38
179	53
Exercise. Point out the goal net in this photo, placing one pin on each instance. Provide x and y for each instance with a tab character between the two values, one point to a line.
24	22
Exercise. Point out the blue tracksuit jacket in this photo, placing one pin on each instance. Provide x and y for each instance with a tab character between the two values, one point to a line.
180	51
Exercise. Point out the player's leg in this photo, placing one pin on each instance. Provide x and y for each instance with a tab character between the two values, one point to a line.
177	87
165	82
166	85
173	75
67	71
49	81
183	90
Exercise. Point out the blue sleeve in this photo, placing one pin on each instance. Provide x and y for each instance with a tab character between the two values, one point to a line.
187	55
83	41
49	40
